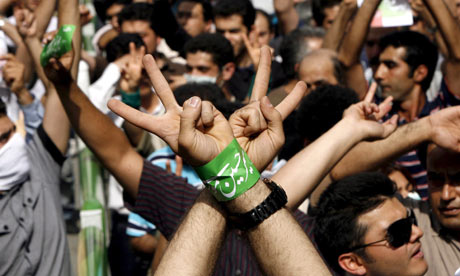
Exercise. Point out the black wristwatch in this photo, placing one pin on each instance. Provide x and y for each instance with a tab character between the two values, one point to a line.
275	201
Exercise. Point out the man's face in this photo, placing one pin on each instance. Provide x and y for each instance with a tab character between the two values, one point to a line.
443	168
317	70
143	29
393	74
201	64
329	15
263	29
382	258
7	129
190	17
232	27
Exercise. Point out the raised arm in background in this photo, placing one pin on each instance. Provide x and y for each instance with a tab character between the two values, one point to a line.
339	27
352	45
450	31
287	15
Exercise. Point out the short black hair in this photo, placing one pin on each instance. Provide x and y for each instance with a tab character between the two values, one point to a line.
294	47
119	46
322	109
207	92
207	8
419	51
318	8
215	44
140	11
226	8
101	6
2	108
336	228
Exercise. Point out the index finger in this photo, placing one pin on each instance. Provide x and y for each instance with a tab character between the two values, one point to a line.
8	57
263	75
292	100
159	82
370	93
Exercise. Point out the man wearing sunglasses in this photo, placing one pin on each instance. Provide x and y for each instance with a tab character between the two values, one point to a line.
362	228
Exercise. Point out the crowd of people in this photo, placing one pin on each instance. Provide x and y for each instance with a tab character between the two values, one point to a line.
281	137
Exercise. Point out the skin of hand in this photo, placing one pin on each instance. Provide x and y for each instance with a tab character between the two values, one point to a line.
26	23
131	72
202	135
13	73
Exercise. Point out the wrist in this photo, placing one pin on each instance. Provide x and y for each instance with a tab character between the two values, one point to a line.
250	199
24	97
352	130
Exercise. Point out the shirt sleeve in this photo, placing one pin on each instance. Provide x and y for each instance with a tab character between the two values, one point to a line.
33	117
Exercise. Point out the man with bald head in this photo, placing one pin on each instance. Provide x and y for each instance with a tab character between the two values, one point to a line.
321	67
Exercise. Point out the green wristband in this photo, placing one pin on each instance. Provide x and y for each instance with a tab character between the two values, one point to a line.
61	44
131	99
230	174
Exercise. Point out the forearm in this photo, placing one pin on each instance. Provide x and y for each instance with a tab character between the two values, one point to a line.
133	133
354	40
277	252
43	13
35	48
287	15
68	13
106	141
300	176
5	5
337	31
196	244
448	27
368	156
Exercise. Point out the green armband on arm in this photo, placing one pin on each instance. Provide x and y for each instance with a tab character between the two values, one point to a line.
61	44
131	99
230	174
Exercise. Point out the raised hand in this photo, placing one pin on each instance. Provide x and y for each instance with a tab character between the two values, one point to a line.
253	47
25	22
58	70
13	73
258	126
204	132
445	128
362	117
384	107
131	72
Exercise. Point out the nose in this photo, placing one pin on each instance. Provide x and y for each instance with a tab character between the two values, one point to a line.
448	192
417	233
380	73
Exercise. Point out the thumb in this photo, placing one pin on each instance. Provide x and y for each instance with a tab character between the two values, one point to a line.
188	120
272	116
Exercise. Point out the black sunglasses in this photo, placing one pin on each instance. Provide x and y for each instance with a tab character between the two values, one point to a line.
398	233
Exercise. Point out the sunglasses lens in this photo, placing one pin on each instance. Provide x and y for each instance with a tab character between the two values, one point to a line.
399	233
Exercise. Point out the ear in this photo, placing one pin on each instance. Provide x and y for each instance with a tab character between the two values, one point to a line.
352	263
228	70
420	73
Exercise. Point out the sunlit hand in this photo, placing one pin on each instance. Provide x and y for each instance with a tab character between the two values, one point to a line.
26	22
131	72
258	126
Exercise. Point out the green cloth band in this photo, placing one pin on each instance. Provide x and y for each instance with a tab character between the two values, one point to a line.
131	99
230	174
61	44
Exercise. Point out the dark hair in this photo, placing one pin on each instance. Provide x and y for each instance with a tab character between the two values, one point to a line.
206	92
318	8
119	46
101	6
2	108
336	228
294	47
140	11
267	17
419	51
215	44
226	8
207	8
322	109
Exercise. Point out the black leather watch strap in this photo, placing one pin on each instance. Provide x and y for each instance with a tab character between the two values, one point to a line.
275	201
